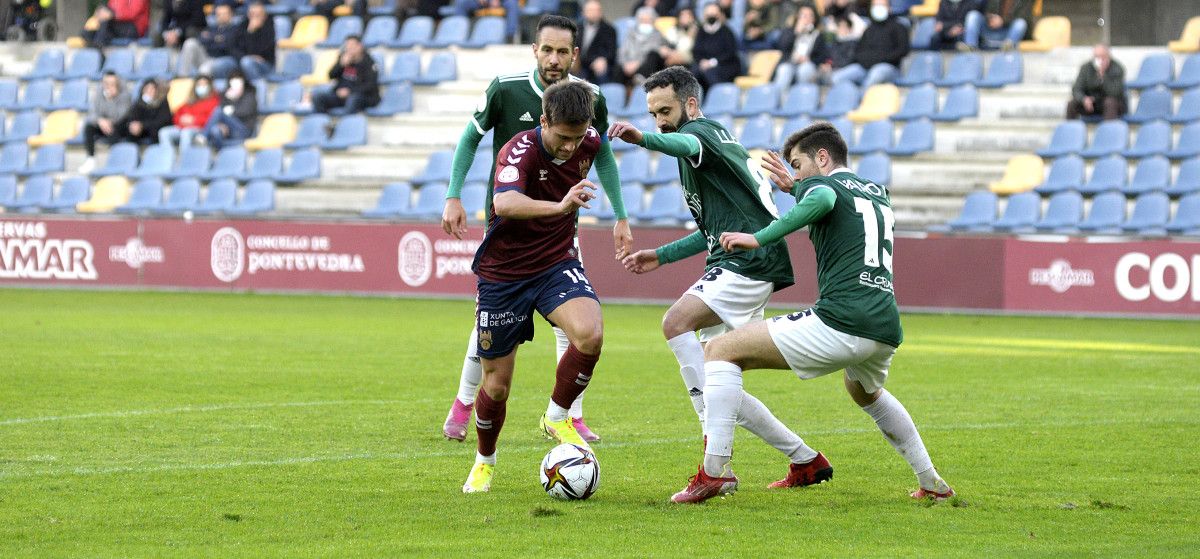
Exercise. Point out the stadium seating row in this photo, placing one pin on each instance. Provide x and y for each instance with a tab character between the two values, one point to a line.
1064	214
146	197
1112	137
231	162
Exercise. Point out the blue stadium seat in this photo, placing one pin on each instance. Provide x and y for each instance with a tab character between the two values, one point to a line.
1150	214
154	65
443	67
921	102
962	102
635	106
257	198
474	197
381	31
1066	173
793	125
72	95
801	99
36	192
761	99
13	158
119	62
156	162
601	208
1189	107
1006	69
539	7
876	136
979	209
915	137
1069	137
845	128
1151	174
47	65
219	197
1187	215
283	25
634	167
666	170
1188	180
664	207
1109	173
923	35
488	30
784	202
313	129
8	94
1189	73
350	131
47	159
1156	70
721	99
842	98
184	196
304	165
341	28
85	63
430	199
296	63
875	167
481	167
300	7
634	196
8	190
397	98
416	31
384	8
614	95
193	162
394	201
1020	213
451	31
229	163
1112	136
437	168
267	164
964	68
23	125
1064	211
1153	138
121	160
405	67
36	95
757	133
1153	104
1189	143
71	192
1106	215
146	196
924	67
623	26
284	99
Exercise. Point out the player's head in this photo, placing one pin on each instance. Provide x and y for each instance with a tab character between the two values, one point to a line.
815	150
567	111
554	47
672	97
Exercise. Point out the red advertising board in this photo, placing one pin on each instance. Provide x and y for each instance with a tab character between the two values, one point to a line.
70	252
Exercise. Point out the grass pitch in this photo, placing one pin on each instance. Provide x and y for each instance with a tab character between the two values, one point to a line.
160	425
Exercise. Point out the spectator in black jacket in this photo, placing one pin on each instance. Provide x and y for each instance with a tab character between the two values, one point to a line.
597	45
237	116
880	51
1099	88
217	50
716	50
258	42
181	20
950	28
356	81
148	114
807	56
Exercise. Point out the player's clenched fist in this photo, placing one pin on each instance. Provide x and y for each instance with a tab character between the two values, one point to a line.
641	261
733	242
578	197
625	131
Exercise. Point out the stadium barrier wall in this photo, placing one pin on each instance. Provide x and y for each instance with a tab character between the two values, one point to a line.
1142	278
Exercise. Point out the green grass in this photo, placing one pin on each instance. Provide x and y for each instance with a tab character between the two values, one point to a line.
160	425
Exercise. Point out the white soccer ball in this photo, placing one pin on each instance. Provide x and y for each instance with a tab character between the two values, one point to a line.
570	472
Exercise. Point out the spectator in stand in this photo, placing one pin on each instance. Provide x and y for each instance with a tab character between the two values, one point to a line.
236	116
639	55
597	45
726	7
258	42
998	27
191	118
356	81
508	9
181	20
807	56
844	43
950	28
326	8
836	10
681	39
880	50
107	108
148	115
760	19
117	19
217	50
716	51
662	8
1099	88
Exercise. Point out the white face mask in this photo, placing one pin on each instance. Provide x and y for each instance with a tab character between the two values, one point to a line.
879	13
202	91
147	98
645	28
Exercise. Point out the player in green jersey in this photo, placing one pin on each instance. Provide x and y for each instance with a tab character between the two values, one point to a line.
726	191
513	104
854	325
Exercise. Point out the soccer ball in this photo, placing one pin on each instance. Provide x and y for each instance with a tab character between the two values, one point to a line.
570	472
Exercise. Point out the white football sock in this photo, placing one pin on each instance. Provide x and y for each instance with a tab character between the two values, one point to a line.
690	355
472	372
479	458
898	428
723	396
755	417
555	412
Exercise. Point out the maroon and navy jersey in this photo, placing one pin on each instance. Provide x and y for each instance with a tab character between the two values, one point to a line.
516	249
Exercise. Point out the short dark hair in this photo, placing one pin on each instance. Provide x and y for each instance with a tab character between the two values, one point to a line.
558	22
353	37
569	102
678	78
108	73
821	135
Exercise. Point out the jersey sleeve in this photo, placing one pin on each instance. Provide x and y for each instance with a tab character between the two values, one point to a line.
600	117
513	164
487	111
707	145
812	183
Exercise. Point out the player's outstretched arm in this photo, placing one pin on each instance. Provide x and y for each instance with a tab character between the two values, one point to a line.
454	218
817	202
513	204
674	144
610	180
647	260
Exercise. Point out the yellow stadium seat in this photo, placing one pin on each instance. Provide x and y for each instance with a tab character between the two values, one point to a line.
1189	40
881	101
76	42
664	24
275	131
178	93
58	127
928	9
309	30
108	193
342	10
321	67
1022	174
1050	33
762	66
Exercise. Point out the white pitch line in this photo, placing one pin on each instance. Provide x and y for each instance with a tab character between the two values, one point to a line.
193	409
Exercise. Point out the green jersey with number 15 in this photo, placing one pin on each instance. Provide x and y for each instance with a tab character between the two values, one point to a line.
853	243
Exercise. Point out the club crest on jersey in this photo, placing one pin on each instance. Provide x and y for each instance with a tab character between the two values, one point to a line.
508	174
526	117
542	174
584	165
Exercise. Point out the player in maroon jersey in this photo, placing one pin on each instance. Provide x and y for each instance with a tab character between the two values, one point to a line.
527	262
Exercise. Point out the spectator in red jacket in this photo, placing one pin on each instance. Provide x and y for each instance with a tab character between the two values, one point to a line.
192	117
117	19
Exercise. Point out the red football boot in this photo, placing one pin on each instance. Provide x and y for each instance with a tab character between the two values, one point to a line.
702	487
815	471
936	496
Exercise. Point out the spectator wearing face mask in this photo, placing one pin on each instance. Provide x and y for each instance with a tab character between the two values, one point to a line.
192	117
880	50
107	108
236	116
716	50
639	56
1099	88
807	56
149	114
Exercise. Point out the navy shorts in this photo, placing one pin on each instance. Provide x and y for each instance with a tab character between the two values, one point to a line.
503	310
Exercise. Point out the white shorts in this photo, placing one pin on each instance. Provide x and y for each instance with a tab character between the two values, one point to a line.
813	349
736	299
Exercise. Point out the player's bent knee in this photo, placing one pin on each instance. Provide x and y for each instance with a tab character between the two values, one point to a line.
590	342
720	349
673	325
